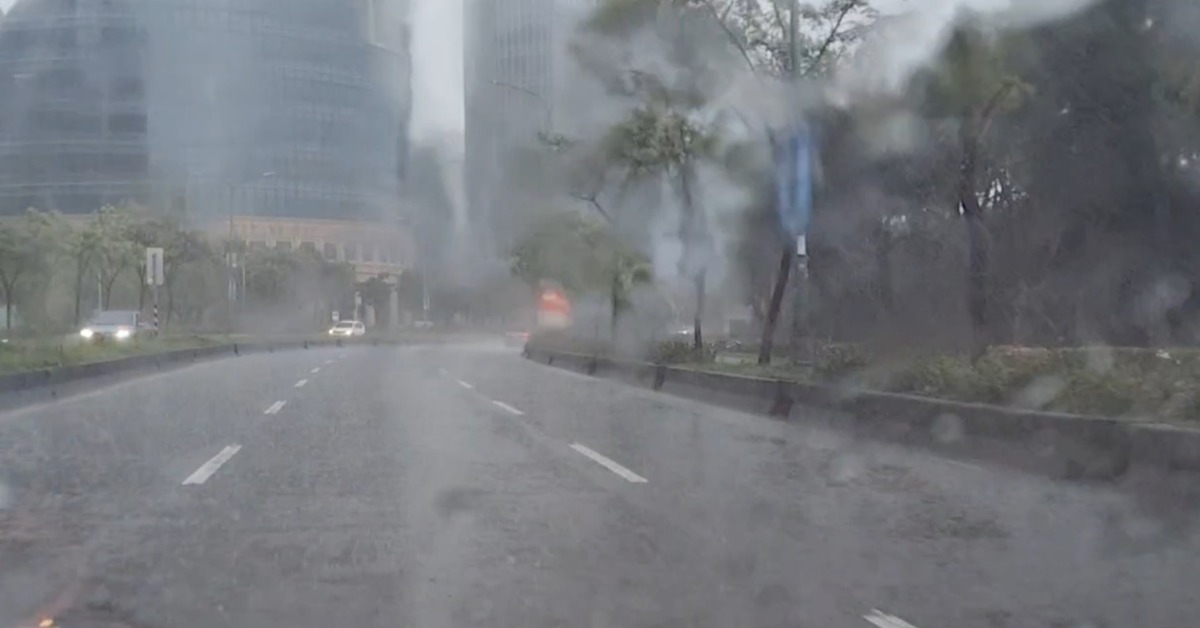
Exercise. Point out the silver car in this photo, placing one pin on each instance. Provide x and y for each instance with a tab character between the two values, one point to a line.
117	325
348	328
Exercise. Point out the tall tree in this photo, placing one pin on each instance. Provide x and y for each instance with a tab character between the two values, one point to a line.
27	249
972	85
84	245
785	40
116	253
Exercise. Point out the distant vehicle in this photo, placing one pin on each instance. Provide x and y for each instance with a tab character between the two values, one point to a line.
116	325
553	308
348	328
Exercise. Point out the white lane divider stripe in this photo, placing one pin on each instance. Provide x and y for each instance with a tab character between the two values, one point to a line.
329	361
301	383
316	370
275	407
206	470
505	406
465	385
444	372
609	464
880	619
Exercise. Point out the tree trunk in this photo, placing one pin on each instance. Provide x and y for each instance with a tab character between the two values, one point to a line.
614	303
772	319
7	308
170	305
802	338
883	268
108	284
78	292
697	333
693	235
977	239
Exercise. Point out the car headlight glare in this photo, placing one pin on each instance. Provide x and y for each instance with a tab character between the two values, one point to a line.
122	334
86	332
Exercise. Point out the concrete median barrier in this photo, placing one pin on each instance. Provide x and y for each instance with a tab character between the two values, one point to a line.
1054	444
35	386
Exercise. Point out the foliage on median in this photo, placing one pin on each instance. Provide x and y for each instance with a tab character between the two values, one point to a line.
1130	383
675	351
1137	384
29	355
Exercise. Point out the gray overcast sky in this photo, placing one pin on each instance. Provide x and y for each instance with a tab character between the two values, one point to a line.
437	67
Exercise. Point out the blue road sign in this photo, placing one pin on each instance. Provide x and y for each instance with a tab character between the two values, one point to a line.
794	156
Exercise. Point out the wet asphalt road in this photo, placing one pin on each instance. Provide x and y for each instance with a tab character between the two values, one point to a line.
463	486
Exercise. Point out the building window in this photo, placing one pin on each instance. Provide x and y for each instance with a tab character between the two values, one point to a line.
369	253
352	252
283	245
330	251
127	123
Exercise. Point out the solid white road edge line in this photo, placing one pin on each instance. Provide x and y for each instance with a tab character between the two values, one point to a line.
316	370
207	469
510	409
465	385
881	619
609	464
301	383
275	407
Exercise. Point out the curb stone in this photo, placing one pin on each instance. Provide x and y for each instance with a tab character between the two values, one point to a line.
1064	446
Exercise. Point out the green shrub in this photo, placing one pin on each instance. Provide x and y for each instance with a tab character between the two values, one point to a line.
681	352
836	361
1092	392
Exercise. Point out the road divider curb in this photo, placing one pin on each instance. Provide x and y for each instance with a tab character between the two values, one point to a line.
1060	445
34	386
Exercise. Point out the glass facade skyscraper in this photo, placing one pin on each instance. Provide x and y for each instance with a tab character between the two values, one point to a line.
269	108
515	57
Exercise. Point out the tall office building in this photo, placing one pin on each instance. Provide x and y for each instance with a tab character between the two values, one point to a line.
516	62
285	119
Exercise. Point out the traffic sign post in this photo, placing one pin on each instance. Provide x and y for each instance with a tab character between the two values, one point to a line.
794	161
154	277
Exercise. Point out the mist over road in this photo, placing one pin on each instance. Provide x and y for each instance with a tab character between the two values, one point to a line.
464	486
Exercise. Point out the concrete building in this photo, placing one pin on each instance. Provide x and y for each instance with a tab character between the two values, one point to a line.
229	113
515	62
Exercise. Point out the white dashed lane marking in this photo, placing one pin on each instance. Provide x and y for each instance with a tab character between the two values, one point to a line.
508	408
275	407
609	464
206	470
880	619
465	385
301	383
316	370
